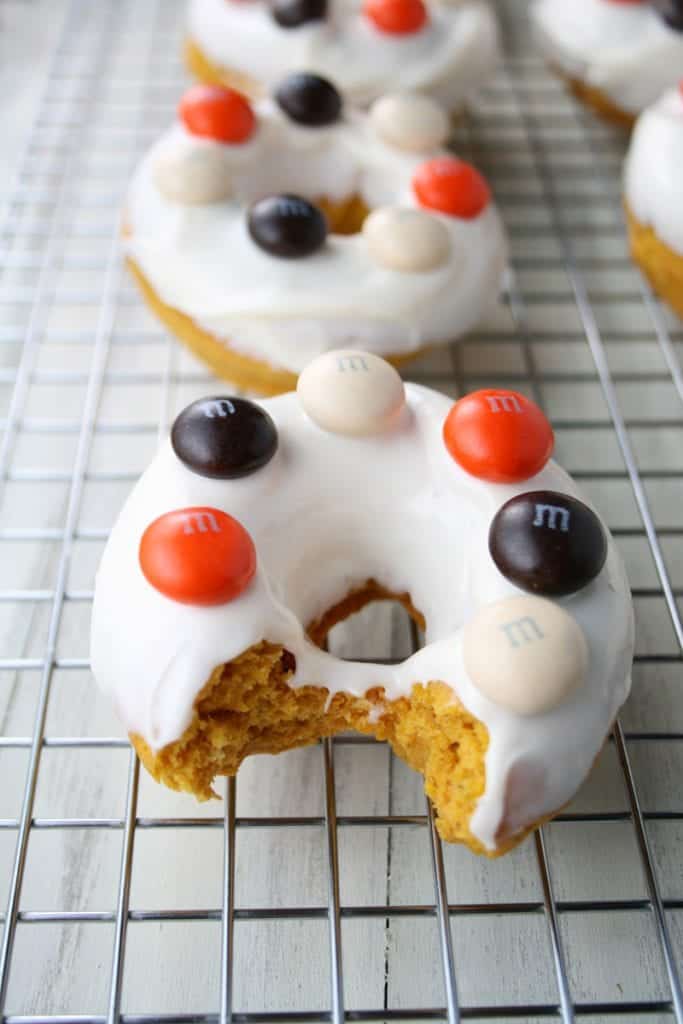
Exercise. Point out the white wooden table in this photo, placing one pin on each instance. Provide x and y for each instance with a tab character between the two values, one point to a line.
118	895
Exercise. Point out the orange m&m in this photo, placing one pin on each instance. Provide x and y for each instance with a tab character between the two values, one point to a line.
197	556
498	435
451	186
396	17
214	112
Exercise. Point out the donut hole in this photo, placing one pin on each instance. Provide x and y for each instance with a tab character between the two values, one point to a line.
343	612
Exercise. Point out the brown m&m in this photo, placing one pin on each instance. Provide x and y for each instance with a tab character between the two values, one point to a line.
351	393
224	438
287	226
309	99
293	13
548	543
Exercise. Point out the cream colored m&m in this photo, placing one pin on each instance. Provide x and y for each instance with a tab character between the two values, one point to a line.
410	121
351	393
405	239
525	654
193	173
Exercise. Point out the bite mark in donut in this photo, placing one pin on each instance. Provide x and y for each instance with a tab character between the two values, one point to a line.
362	500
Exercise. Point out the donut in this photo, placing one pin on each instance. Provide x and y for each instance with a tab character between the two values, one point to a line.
243	228
616	55
446	49
653	196
258	526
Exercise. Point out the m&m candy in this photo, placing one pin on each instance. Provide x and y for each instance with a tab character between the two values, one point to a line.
224	437
215	112
293	13
309	99
287	226
525	654
396	17
672	13
498	435
352	393
198	556
547	542
451	186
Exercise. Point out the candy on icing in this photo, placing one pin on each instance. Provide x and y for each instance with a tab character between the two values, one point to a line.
652	176
198	555
451	57
410	121
498	435
191	173
396	17
396	507
451	186
224	437
547	542
293	13
309	99
196	169
287	226
526	654
406	240
202	262
351	393
625	50
214	112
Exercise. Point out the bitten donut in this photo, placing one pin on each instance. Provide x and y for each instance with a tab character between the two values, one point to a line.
447	49
247	230
616	55
258	526
653	196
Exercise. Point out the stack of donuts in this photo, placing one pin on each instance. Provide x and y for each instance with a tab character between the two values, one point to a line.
304	228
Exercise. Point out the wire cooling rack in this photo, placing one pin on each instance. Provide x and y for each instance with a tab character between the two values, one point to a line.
319	890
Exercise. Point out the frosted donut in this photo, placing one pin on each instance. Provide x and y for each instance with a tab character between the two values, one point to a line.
243	229
258	526
617	55
653	196
445	49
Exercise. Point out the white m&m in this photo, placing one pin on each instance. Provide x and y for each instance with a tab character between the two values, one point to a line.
405	239
351	393
410	121
525	654
193	173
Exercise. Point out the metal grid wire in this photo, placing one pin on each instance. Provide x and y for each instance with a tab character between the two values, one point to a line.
88	383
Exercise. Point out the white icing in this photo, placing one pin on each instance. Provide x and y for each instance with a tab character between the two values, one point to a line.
625	50
325	514
451	57
201	260
653	174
